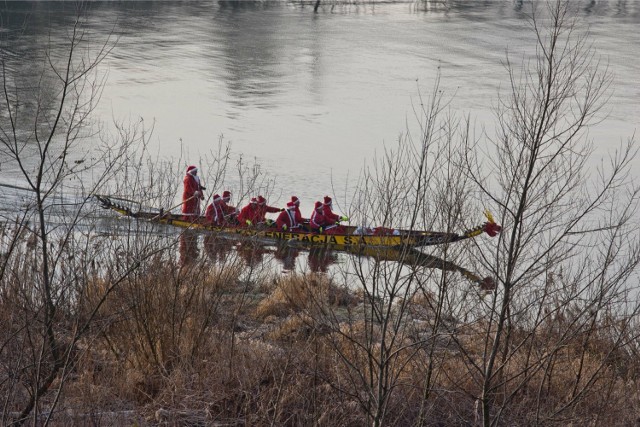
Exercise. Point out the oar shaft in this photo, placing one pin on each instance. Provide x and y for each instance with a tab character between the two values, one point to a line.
172	208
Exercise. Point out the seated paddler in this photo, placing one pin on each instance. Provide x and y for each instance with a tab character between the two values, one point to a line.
215	212
317	221
230	212
289	219
296	201
250	214
332	220
263	209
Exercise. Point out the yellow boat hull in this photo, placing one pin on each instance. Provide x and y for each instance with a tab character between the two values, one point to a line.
347	237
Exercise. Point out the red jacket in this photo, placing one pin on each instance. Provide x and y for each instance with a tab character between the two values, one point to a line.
230	213
289	218
317	220
329	217
228	210
215	213
192	187
264	209
249	212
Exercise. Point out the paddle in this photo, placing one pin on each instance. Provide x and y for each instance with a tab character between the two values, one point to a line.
162	212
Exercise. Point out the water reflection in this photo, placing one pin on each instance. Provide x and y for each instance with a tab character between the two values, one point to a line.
189	251
252	59
286	256
320	259
251	254
218	250
254	254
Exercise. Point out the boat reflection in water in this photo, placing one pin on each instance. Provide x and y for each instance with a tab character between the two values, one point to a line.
255	254
189	251
320	259
218	250
286	256
251	254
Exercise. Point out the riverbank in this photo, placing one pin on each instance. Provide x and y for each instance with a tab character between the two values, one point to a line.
219	345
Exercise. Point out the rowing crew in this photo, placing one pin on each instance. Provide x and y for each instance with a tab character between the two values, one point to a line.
322	219
220	213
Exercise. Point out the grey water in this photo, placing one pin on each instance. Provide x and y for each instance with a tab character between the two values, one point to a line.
312	96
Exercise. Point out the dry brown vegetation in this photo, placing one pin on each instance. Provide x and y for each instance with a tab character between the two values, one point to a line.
196	345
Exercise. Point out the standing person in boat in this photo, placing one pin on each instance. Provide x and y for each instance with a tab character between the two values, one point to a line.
192	194
250	214
317	221
230	212
263	209
289	219
215	211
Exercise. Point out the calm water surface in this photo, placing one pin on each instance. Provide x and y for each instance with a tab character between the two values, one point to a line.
314	96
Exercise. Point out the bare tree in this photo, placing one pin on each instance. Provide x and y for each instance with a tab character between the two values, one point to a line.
389	345
568	253
549	339
47	100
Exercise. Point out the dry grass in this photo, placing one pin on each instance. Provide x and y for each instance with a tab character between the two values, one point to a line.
293	293
175	345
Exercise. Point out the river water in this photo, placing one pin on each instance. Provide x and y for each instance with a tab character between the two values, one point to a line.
312	96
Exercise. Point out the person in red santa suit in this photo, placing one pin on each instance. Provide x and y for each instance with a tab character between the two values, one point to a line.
296	201
263	209
226	198
330	217
230	212
304	221
215	212
192	194
289	220
250	214
317	221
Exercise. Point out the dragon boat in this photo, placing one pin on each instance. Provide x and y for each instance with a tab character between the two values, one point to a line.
344	237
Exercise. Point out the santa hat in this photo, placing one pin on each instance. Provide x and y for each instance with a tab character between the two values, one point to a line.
295	200
318	205
327	200
291	205
226	194
261	200
192	169
253	200
217	198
